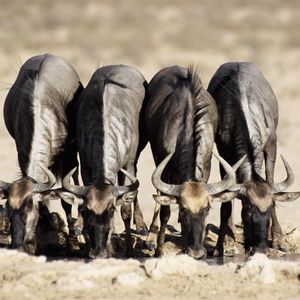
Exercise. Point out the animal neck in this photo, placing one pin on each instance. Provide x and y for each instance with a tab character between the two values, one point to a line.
186	162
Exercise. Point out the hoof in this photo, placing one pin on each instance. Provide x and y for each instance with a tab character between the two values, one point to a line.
218	253
94	254
282	248
229	241
172	229
29	248
255	250
197	254
142	231
150	245
279	245
73	247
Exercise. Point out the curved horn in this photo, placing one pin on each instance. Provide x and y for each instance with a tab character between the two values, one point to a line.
238	186
238	163
75	189
228	181
4	185
120	190
42	187
279	187
70	198
168	189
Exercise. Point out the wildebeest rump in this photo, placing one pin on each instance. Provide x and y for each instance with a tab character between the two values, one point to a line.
38	114
107	138
179	119
248	118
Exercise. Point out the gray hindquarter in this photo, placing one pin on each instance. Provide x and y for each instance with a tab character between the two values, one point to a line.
54	89
248	112
108	120
121	108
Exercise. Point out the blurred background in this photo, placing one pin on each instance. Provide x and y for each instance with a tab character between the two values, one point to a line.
151	35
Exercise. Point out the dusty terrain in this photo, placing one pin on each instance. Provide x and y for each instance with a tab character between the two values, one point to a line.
151	35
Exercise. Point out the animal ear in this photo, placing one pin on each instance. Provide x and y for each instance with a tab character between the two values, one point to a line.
126	198
165	199
286	197
50	196
57	217
225	196
3	195
66	196
71	198
74	201
243	191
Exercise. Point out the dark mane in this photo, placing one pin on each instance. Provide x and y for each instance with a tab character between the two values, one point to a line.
257	177
200	103
197	106
90	132
194	81
201	109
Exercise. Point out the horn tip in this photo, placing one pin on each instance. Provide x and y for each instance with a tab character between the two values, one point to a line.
215	153
73	170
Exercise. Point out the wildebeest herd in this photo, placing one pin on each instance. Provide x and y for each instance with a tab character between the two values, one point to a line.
52	118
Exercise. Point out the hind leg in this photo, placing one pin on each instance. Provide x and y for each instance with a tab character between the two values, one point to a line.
164	218
138	219
227	227
276	232
73	248
151	241
126	211
230	234
226	214
70	162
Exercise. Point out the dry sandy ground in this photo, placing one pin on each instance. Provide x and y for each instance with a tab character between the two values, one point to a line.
176	277
151	35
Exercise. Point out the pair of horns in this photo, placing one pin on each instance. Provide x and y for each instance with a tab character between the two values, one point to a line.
214	188
36	187
277	188
229	181
117	190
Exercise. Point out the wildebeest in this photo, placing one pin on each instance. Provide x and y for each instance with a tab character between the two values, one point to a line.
248	118
180	121
38	115
108	137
